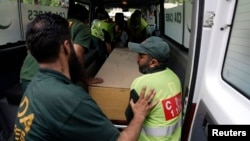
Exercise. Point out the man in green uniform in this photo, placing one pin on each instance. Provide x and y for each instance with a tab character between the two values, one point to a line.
81	35
78	17
164	121
54	108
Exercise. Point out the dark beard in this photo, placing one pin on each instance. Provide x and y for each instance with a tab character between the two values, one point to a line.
144	68
76	70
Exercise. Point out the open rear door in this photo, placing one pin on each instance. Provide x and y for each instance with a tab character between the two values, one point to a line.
219	85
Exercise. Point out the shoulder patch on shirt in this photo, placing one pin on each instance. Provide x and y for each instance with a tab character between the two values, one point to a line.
172	106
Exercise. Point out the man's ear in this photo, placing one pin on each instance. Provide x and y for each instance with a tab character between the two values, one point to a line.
154	62
66	47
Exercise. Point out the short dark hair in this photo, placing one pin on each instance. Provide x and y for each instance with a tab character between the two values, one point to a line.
102	14
119	17
136	17
45	34
78	11
119	20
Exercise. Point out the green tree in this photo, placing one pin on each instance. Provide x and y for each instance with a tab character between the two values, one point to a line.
29	1
43	2
55	3
174	1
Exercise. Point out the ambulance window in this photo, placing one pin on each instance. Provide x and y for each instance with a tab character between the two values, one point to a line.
54	3
31	8
177	21
113	11
236	69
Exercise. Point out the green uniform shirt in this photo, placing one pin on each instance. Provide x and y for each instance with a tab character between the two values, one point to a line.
53	108
29	67
81	35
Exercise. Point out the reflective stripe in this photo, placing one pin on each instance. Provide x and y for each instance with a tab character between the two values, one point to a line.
161	131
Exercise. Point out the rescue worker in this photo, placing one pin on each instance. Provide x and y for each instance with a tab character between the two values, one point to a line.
81	35
53	108
102	30
138	29
164	122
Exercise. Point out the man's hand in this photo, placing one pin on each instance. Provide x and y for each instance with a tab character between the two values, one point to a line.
94	80
143	106
141	110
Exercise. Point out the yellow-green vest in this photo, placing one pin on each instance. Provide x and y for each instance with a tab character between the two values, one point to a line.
137	33
99	25
164	122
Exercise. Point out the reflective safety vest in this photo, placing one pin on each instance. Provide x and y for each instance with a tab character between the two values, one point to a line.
164	122
162	133
137	33
99	25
